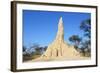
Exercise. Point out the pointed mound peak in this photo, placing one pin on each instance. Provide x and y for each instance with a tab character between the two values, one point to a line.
60	24
60	20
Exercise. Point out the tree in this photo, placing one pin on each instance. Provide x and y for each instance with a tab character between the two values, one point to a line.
24	48
26	54
38	50
45	48
86	45
86	48
86	27
76	40
33	52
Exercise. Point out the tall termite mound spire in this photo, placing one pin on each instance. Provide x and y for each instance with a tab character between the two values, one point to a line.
60	33
59	48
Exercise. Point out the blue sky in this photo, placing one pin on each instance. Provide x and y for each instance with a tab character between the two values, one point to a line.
41	26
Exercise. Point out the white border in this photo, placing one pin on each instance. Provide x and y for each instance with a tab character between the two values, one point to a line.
21	65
